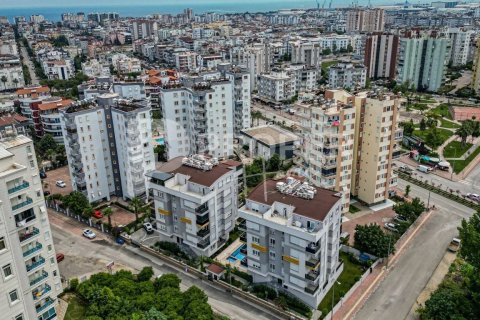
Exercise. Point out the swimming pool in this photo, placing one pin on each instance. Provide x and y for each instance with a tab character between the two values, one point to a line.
237	255
160	141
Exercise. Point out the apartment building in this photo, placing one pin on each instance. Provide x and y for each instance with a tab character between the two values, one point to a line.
30	277
94	68
476	69
124	64
242	98
143	28
195	201
460	40
422	61
61	69
13	121
46	118
198	117
306	78
381	50
187	61
377	143
347	75
329	146
276	86
11	70
307	53
29	97
109	146
370	20
293	237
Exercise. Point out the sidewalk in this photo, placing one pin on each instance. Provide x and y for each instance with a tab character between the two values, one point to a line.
357	299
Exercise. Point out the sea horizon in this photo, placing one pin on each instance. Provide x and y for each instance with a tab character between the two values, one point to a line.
53	13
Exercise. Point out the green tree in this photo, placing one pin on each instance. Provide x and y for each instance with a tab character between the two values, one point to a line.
46	143
423	125
373	240
154	314
408	127
107	212
433	139
145	274
326	51
15	81
469	233
463	134
274	163
4	80
407	190
136	206
76	202
60	41
167	281
446	304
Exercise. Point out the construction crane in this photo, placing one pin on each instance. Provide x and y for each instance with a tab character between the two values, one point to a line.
330	4
318	4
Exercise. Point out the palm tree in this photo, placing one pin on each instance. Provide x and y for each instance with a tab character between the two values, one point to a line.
463	133
16	82
4	80
107	212
136	206
87	212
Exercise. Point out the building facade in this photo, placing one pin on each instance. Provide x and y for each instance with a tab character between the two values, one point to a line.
370	20
476	69
293	238
12	72
30	277
347	75
196	201
381	55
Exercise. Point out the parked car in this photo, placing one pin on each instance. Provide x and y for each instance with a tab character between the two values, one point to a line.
424	169
400	218
405	169
148	227
60	184
87	233
454	245
60	257
46	193
391	226
473	196
97	214
43	175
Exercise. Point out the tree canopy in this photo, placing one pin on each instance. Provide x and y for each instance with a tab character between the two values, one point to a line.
372	239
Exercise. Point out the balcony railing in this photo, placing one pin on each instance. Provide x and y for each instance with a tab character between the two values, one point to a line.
24	185
42	276
312	275
311	289
48	302
201	209
49	315
203	232
204	243
312	248
38	294
37	247
203	219
35	264
22	204
312	262
28	235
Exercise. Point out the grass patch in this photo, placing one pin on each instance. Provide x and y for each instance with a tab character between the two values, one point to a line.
448	124
353	209
455	149
350	275
442	110
76	309
443	134
327	64
459	165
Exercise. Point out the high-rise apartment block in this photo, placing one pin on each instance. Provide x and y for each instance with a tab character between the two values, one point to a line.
30	278
381	55
196	201
377	139
476	69
293	237
422	61
370	20
109	146
460	40
198	117
347	75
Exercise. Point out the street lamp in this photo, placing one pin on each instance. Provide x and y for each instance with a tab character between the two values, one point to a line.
333	297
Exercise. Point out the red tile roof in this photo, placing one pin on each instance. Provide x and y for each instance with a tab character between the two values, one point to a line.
215	268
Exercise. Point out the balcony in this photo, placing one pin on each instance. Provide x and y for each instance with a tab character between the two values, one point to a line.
202	233
38	246
37	294
312	288
312	275
42	276
23	218
312	248
24	185
49	315
204	243
312	262
22	204
48	302
35	264
201	220
202	209
28	234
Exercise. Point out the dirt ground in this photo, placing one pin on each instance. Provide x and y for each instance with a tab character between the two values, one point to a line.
55	175
120	216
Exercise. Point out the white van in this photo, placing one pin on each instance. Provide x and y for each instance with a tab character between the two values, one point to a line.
424	169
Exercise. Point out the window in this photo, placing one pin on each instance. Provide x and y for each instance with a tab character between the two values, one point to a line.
272	254
272	242
3	246
272	267
256	253
255	239
19	317
13	295
7	270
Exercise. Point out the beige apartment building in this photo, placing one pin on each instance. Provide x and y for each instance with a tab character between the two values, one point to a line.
350	144
376	137
476	69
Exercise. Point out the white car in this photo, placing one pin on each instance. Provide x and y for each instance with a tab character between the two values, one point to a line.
148	227
391	226
87	233
60	184
473	196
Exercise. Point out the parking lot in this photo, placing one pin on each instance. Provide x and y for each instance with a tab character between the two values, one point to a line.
119	216
378	217
56	175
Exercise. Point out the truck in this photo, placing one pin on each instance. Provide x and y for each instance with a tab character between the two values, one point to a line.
424	169
454	245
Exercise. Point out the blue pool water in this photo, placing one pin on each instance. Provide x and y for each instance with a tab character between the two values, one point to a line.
160	141
237	255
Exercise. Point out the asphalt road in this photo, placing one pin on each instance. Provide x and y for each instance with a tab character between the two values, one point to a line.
28	62
396	295
83	256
